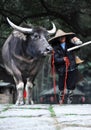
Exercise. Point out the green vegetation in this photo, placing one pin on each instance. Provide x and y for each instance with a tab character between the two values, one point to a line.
52	111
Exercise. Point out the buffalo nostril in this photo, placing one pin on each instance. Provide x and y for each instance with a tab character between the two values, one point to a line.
49	48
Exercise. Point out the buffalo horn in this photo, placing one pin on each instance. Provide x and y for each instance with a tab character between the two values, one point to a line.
18	28
53	30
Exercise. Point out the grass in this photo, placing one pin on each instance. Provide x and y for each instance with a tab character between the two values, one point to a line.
52	111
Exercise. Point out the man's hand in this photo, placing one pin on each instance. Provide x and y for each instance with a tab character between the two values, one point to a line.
76	41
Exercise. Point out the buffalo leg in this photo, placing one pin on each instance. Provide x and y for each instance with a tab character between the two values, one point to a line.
28	88
20	88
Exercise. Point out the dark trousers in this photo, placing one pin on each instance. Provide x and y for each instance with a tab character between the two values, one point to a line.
70	81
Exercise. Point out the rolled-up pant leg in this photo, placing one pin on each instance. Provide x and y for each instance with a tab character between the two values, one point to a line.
72	79
61	82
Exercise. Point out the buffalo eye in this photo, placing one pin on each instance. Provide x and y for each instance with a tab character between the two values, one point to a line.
35	36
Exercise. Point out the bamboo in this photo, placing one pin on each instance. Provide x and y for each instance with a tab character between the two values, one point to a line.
76	47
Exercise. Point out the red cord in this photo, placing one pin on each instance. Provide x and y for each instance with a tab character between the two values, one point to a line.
67	63
54	74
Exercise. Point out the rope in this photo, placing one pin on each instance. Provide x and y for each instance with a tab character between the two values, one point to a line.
54	75
67	63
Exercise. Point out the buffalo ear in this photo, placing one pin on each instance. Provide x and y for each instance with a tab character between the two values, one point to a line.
20	35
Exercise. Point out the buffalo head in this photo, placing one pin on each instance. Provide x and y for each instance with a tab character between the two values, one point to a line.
36	42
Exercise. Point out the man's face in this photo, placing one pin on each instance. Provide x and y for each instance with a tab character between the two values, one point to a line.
62	39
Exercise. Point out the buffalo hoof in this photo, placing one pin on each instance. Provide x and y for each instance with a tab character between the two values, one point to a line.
32	102
19	102
29	102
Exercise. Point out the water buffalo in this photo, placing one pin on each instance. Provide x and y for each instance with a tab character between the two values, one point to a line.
23	54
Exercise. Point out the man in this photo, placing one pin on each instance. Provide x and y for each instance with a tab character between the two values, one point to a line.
65	62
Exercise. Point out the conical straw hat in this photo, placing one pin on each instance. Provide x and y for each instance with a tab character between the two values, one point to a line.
59	34
78	60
